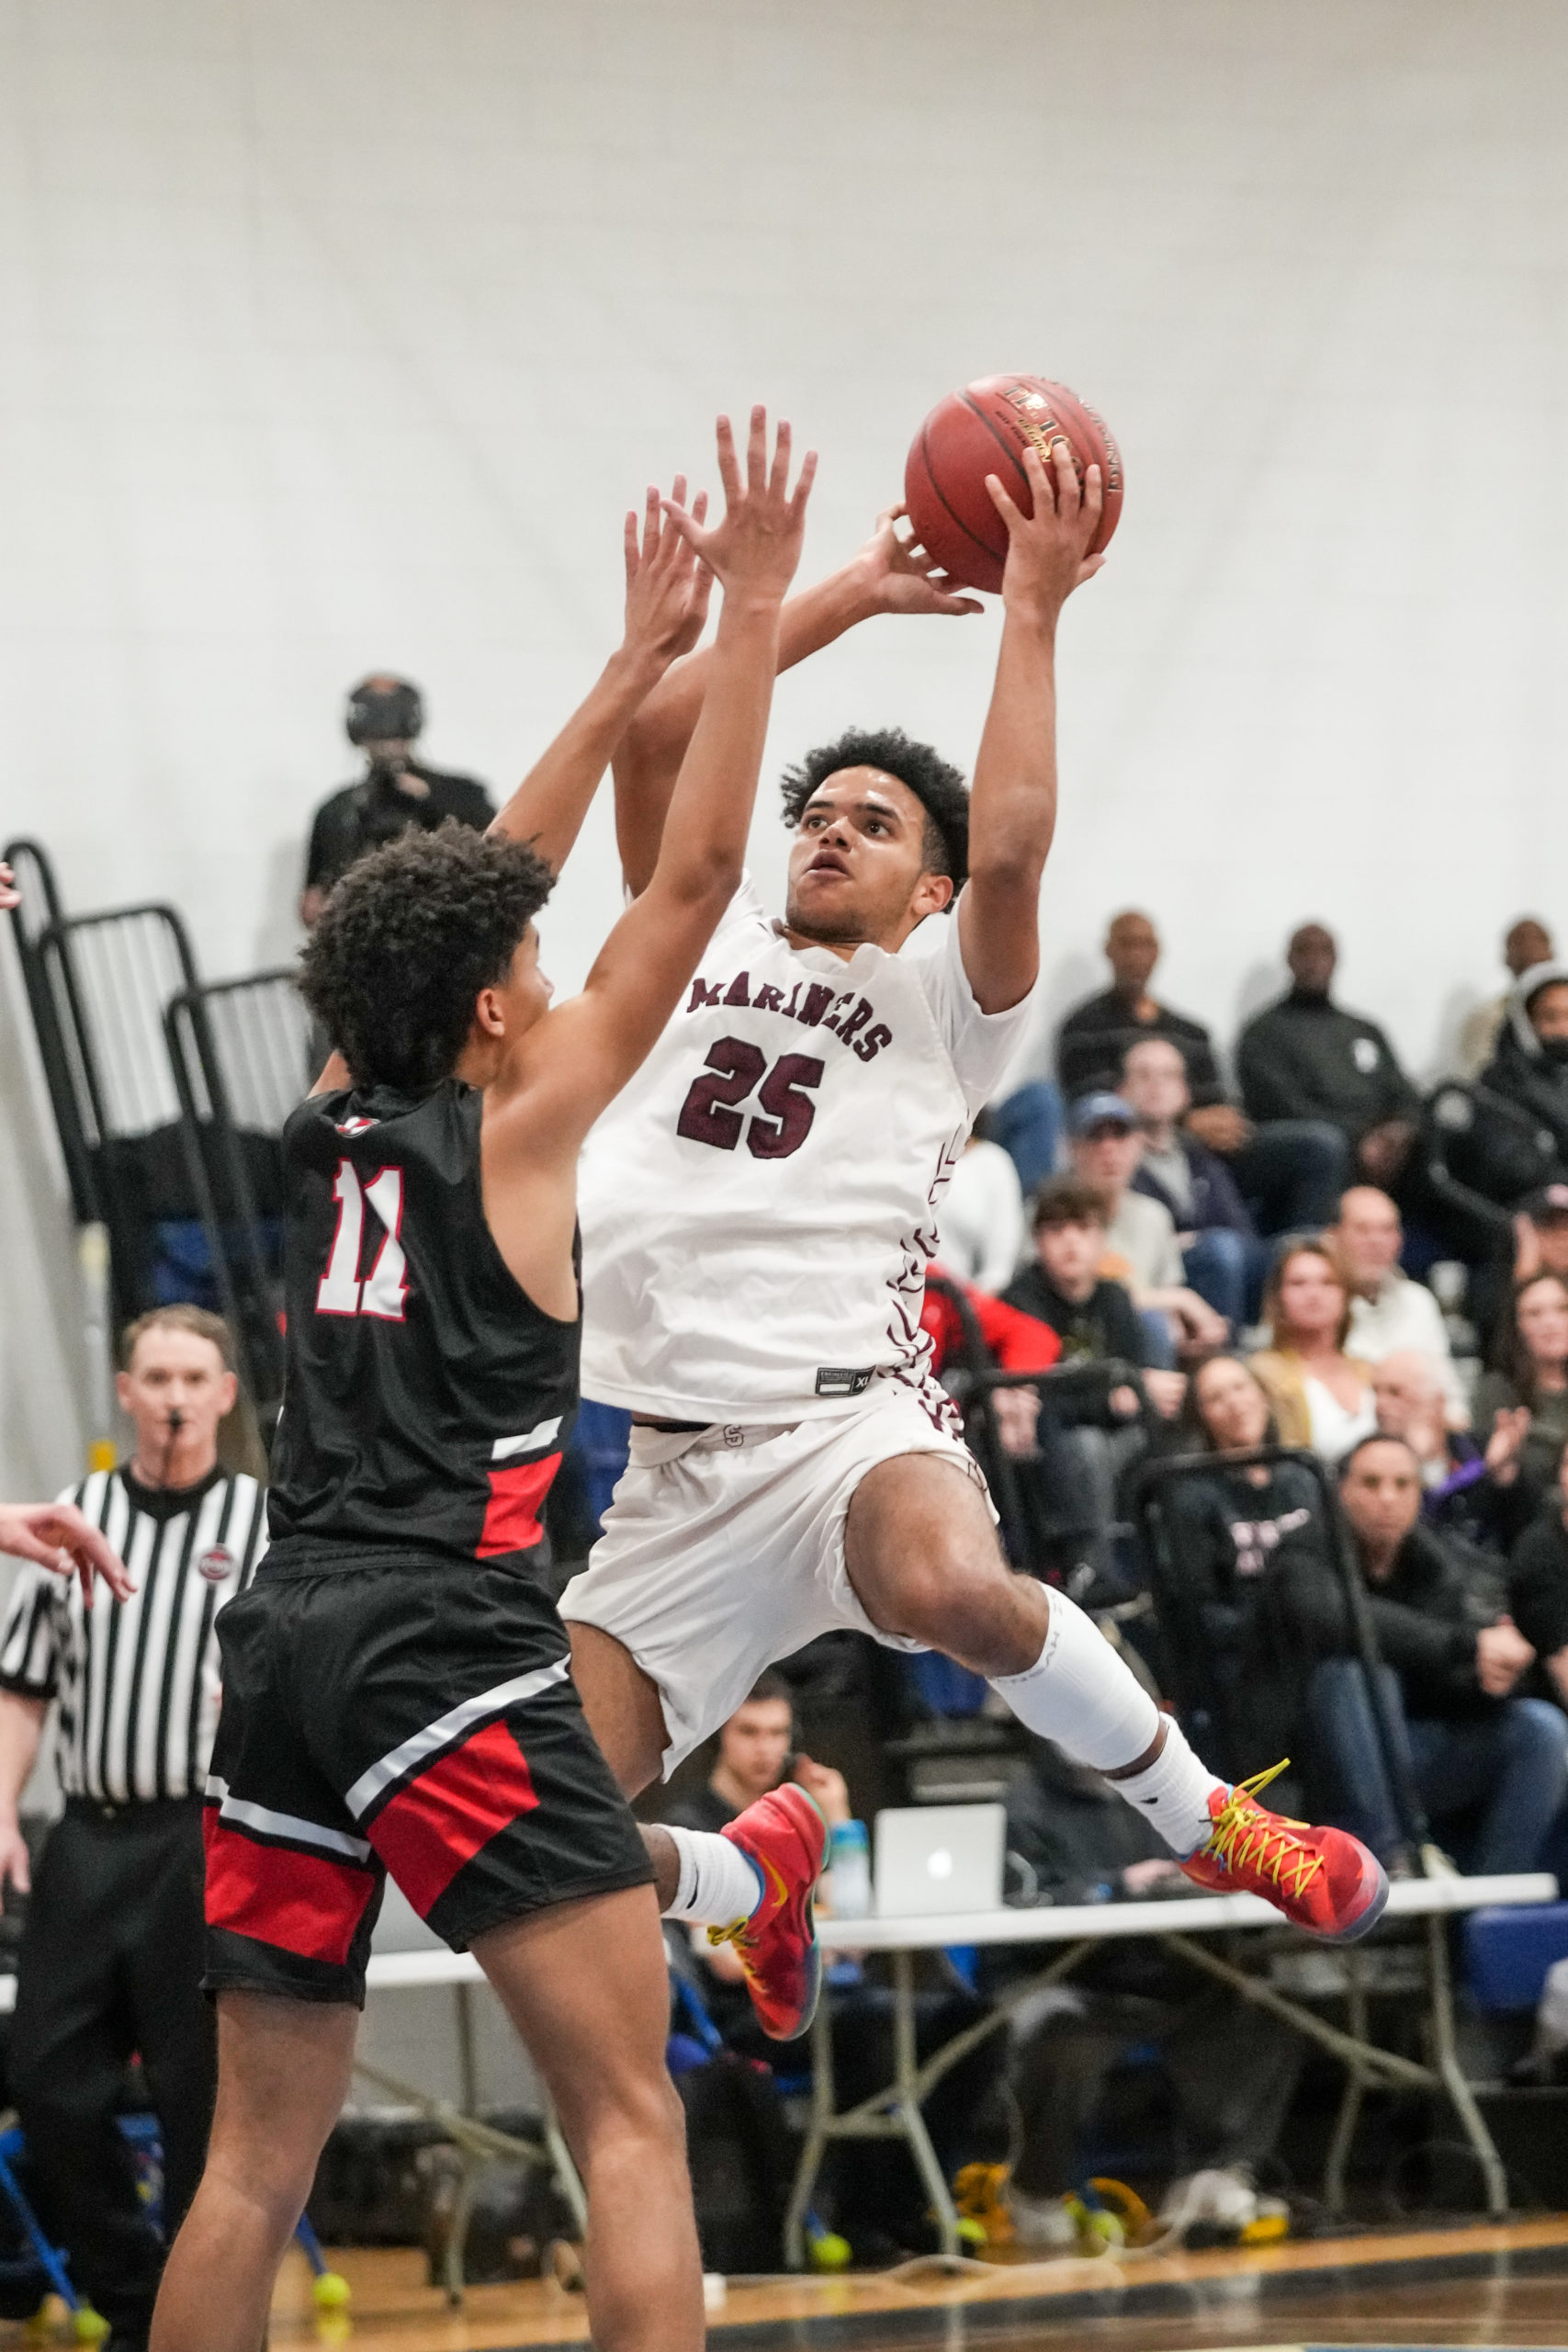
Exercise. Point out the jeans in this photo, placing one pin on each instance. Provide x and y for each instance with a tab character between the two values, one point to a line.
1509	1767
1160	1344
1028	1126
1227	1269
1290	1175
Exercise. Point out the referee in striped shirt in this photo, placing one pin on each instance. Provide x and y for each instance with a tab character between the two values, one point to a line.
112	1951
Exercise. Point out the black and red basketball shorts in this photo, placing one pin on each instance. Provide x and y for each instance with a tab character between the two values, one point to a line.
409	1715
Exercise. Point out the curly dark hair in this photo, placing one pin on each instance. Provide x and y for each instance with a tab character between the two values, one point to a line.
406	942
938	786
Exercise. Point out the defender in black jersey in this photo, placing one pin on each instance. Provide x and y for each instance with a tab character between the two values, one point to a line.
396	1688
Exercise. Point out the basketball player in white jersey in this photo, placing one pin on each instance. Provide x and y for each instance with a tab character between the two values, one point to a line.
759	1206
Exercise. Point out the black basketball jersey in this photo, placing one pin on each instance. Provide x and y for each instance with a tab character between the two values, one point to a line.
427	1399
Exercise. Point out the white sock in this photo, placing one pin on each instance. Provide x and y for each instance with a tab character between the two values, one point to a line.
1174	1791
1081	1694
717	1882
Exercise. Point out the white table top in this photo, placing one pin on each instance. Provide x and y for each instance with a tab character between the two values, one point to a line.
1067	1923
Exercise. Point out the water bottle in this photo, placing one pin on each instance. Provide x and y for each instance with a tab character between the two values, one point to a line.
849	1863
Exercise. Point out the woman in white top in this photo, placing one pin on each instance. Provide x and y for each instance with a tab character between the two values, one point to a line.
1322	1396
983	1230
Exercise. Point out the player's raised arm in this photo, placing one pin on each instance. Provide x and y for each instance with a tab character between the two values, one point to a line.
890	574
1012	805
667	599
581	1054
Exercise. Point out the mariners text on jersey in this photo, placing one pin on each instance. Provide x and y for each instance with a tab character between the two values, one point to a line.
759	1205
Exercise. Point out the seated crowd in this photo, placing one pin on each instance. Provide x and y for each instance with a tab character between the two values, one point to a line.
1199	1375
1239	1272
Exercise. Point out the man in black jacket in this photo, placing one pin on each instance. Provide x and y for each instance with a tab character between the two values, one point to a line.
1530	1065
1490	1768
1290	1172
1305	1057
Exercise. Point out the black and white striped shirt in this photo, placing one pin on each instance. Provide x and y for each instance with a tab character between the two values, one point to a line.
136	1682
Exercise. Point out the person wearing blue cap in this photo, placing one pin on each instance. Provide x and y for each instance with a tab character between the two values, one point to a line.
1107	1144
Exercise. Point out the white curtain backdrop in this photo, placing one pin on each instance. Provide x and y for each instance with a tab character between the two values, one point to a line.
338	336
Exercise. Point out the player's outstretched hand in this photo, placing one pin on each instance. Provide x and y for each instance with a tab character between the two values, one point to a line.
755	546
666	586
900	577
57	1537
9	895
1048	552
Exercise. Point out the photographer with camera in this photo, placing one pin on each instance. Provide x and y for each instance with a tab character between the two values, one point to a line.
384	720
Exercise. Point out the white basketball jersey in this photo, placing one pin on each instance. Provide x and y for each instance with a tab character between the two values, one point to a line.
759	1205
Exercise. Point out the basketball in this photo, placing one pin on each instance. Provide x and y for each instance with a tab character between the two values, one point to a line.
985	429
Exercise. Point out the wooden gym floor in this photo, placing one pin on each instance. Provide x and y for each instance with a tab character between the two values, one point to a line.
1502	2284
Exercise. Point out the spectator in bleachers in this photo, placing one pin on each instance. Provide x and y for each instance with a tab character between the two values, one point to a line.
1530	1065
384	718
1227	1529
1232	2069
1541	1233
1532	1373
1322	1395
968	1327
1139	1232
1221	1257
1092	1042
1388	1311
1092	1317
1088	1449
1489	1768
1527	942
1469	1490
1289	1172
1305	1057
984	1231
1538	1584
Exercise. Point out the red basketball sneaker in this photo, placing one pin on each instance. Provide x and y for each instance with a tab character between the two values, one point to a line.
1323	1880
785	1833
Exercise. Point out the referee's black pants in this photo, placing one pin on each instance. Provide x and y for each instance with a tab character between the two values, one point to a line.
110	1963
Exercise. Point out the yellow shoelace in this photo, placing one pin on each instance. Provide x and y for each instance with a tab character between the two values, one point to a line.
1247	1837
734	1934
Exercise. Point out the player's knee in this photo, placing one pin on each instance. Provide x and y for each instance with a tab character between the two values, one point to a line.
988	1619
637	2118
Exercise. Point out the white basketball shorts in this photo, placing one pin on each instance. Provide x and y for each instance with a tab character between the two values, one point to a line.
723	1547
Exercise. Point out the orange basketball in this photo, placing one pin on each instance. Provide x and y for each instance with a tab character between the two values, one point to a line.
985	429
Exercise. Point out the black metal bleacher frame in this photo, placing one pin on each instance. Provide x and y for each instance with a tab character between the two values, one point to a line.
97	985
222	1059
1195	1692
40	911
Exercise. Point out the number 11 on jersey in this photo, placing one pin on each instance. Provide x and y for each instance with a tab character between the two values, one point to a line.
383	1290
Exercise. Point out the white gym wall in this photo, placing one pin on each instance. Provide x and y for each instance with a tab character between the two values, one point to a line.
339	334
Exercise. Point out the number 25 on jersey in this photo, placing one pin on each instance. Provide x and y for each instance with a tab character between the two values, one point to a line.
381	1292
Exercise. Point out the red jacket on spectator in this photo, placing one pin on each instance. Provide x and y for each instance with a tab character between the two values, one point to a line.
1020	1342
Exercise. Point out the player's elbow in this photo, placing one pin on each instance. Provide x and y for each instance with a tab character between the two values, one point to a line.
708	875
1008	868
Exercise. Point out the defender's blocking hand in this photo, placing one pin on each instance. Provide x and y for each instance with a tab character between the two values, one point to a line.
755	547
667	587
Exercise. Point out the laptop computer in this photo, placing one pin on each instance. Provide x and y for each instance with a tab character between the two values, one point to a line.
931	1860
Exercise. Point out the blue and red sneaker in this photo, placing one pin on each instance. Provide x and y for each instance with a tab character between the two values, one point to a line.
785	1834
1323	1880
